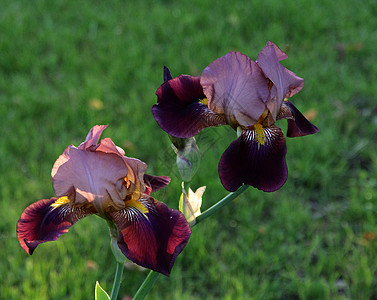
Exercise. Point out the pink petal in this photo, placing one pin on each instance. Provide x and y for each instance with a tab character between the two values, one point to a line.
286	83
92	138
235	87
155	239
96	172
96	178
40	222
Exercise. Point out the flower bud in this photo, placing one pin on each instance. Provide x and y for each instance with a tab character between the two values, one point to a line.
190	204
188	156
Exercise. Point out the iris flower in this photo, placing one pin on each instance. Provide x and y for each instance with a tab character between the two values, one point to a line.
248	95
99	179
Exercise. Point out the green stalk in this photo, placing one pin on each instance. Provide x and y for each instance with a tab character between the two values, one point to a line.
152	276
224	201
146	285
117	280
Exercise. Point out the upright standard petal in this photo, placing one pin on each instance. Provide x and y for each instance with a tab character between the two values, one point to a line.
255	160
179	111
45	220
285	82
97	178
151	239
92	138
235	87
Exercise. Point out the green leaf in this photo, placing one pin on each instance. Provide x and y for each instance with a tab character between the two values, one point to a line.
100	293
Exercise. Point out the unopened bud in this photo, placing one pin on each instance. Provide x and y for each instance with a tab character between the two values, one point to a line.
190	203
188	156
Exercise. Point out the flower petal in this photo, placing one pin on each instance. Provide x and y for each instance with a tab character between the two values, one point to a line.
95	177
92	138
235	87
167	74
178	111
286	83
247	161
43	222
298	125
152	240
154	183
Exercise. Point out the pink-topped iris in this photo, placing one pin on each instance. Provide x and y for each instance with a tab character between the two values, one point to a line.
97	178
248	95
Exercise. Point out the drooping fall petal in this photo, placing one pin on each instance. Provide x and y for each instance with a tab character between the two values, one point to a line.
45	220
151	239
235	87
298	125
247	161
285	82
154	183
178	110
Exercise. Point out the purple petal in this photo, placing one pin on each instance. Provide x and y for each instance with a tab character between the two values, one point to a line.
235	87
155	239
167	74
178	111
246	161
286	83
155	183
40	222
298	125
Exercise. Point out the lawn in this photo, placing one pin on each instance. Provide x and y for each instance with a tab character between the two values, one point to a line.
68	65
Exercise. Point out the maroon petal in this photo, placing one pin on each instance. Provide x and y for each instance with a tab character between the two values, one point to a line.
179	112
40	222
286	83
152	240
298	125
167	74
246	161
155	183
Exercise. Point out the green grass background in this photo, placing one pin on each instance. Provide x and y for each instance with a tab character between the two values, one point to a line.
312	239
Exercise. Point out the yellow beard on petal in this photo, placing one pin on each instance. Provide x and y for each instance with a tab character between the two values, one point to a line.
204	101
260	135
60	201
138	205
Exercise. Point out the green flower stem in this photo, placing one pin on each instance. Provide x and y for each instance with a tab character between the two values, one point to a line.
117	280
152	276
224	201
146	285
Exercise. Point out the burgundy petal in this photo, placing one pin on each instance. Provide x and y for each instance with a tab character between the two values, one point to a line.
167	74
298	125
152	240
179	112
246	161
40	222
154	183
286	83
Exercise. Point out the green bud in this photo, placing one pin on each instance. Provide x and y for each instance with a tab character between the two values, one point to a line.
188	156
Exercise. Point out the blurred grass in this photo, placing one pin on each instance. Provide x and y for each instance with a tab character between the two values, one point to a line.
313	239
